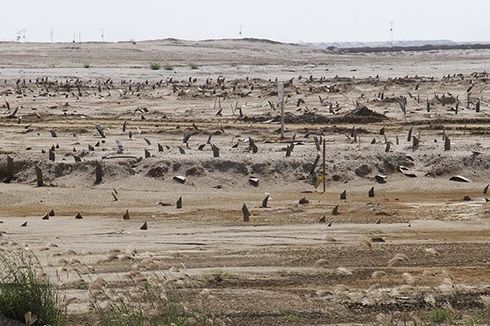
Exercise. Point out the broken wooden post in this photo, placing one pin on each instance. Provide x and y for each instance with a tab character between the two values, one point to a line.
415	142
343	195
215	150
265	201
10	168
315	164
289	149
51	155
447	144
317	142
252	146
371	192
39	176
100	131
246	213
98	172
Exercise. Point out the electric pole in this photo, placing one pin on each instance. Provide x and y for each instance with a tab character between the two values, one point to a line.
240	31
392	24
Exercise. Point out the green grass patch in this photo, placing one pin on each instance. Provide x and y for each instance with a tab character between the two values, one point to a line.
440	315
25	291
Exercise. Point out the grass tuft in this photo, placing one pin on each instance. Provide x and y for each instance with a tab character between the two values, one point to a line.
168	66
26	294
194	66
152	301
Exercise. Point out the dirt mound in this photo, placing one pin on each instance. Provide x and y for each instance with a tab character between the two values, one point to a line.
24	170
444	166
344	167
307	118
361	115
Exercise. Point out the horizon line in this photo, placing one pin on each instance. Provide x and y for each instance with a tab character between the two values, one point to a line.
240	39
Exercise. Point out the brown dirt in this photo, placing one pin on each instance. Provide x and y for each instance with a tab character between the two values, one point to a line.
282	267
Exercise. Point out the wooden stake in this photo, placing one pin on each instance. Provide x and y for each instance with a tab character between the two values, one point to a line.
10	167
280	95
98	173
324	174
39	176
447	144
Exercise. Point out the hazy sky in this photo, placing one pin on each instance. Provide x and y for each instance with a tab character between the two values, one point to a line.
282	20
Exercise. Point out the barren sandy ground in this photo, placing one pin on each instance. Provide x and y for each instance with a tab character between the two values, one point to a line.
416	245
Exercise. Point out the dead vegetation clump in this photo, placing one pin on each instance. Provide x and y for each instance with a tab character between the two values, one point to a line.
156	299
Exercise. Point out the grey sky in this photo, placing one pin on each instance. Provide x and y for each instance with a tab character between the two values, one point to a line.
282	20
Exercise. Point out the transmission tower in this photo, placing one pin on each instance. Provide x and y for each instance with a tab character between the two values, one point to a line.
102	30
21	35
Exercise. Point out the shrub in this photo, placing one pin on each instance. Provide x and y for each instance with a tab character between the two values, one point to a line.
155	66
194	66
86	66
25	291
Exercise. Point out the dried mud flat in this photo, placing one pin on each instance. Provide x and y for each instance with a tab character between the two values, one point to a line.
421	243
